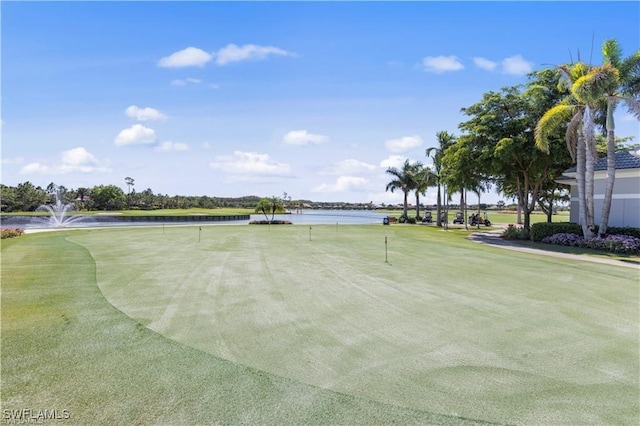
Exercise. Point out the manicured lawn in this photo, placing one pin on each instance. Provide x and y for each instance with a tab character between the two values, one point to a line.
296	325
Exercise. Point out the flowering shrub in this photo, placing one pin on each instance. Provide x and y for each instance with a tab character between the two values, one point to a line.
622	244
515	233
11	232
564	239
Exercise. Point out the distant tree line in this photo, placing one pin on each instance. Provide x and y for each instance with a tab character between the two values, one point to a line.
26	197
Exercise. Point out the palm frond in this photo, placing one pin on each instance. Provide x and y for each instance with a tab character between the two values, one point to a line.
605	79
550	122
633	105
612	52
571	135
630	74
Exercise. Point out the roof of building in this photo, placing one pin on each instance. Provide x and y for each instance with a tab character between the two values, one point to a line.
624	160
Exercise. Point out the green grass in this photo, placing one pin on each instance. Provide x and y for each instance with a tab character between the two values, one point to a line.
291	325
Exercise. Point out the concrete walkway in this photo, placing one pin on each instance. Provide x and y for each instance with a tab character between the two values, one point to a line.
494	238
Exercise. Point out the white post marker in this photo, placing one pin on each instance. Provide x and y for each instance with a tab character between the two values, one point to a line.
385	250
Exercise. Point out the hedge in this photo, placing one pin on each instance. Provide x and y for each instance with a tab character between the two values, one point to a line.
546	229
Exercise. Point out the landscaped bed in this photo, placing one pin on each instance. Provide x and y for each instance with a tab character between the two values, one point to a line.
361	324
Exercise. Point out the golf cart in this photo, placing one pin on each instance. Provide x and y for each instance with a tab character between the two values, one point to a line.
459	218
427	218
475	219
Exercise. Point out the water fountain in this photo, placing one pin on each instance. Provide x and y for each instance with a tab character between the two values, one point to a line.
58	216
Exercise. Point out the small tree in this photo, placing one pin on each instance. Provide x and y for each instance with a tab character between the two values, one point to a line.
271	205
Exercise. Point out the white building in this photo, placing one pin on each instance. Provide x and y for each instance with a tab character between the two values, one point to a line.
625	203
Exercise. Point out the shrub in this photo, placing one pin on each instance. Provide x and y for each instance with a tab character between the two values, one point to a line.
621	244
564	239
545	229
627	230
270	222
405	219
515	233
11	232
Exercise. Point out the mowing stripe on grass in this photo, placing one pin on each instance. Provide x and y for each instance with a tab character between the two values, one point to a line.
445	326
65	348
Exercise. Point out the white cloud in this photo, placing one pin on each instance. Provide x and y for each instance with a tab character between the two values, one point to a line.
169	146
136	135
404	143
184	82
348	167
189	57
393	161
484	63
190	81
14	160
33	168
342	184
77	157
144	114
516	65
249	164
440	64
74	160
235	53
302	137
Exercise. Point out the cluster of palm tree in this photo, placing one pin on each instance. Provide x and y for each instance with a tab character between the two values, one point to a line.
593	92
418	178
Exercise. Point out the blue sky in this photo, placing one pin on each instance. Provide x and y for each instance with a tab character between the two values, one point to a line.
254	98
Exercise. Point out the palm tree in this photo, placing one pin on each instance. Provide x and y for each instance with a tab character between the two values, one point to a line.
616	79
424	178
580	138
272	205
404	180
445	140
130	182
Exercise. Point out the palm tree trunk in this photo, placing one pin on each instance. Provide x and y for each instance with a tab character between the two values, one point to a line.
406	207
417	205
611	169
580	183
589	140
439	207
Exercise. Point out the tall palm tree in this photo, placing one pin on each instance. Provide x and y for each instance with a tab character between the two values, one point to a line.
445	140
616	79
580	138
404	180
424	178
129	181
